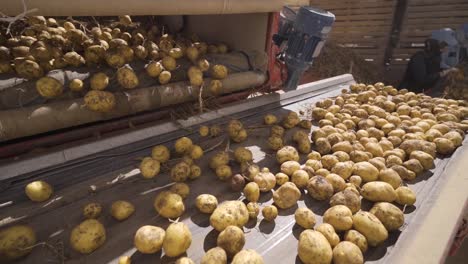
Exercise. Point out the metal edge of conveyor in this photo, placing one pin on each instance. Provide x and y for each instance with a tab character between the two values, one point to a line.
429	241
49	160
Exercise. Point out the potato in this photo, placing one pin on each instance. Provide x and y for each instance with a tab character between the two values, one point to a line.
329	233
247	256
348	198
74	59
76	85
281	178
371	227
154	68
125	260
254	210
306	124
339	216
49	87
390	215
336	181
393	160
176	53
404	173
300	178
250	170
16	241
28	69
270	119
287	195
127	78
183	145
426	160
181	189
405	196
287	153
180	172
149	239
237	182
169	204
444	146
252	192
357	238
149	167
291	120
223	172
391	177
314	248
92	210
38	191
215	255
413	165
195	152
358	155
355	180
195	172
160	153
277	131
232	240
215	87
344	146
275	142
219	71
323	146
366	171
270	212
319	188
169	63
164	77
195	76
184	260
314	164
378	191
229	213
206	203
87	236
342	156
99	81
242	154
177	240
122	210
414	144
328	161
347	253
220	158
305	218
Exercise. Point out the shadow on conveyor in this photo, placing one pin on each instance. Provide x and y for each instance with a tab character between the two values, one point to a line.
376	253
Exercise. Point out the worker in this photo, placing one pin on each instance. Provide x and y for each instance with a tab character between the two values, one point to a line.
423	73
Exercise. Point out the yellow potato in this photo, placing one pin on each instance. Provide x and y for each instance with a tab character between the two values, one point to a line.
88	236
314	248
444	146
16	241
38	191
252	192
183	145
223	172
343	169
184	260
122	210
270	212
300	178
357	238
203	64
206	203
405	196
127	78
192	53
242	154
164	77
329	233
196	152
348	198
390	215
204	131
149	239
305	218
177	240
180	172
391	177
169	63
270	119
426	160
247	256
281	178
49	87
181	189
319	188
149	167
76	85
254	210
347	253
176	53
336	181
99	81
287	195
371	227
339	216
378	191
220	158
232	240
216	255
219	71
275	142
366	171
125	260
215	87
195	172
154	68
92	210
160	153
287	153
169	204
229	213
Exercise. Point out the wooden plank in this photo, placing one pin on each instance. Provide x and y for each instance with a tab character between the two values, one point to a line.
431	27
364	34
439	14
361	28
355	23
444	7
435	2
361	11
436	21
339	5
370	17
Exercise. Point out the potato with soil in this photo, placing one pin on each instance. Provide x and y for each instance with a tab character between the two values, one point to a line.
127	77
49	87
357	238
92	210
206	203
444	146
300	178
223	172
270	119
287	153
181	189
164	77
122	210
16	241
329	233
216	255
287	195
339	216
265	180
343	169
99	101
183	145
322	146
88	236
319	188
336	181
411	145
232	240
38	191
247	256
270	212
252	192
149	167
149	239
229	213
254	210
426	160
391	177
220	158
314	248
169	204
378	191
390	215
219	71
405	196
237	182
177	240
305	218
180	172
289	167
347	253
371	227
281	178
348	198
242	154
366	171
160	153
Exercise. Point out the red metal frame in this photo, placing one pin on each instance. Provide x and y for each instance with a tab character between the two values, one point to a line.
276	76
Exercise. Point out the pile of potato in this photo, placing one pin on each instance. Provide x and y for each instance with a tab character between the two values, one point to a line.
47	44
369	142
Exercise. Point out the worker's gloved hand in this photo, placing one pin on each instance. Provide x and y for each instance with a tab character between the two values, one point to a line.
448	71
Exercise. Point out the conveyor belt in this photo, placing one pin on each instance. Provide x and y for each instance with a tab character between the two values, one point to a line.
113	173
